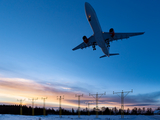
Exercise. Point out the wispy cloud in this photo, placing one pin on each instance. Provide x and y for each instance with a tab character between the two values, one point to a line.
25	88
18	88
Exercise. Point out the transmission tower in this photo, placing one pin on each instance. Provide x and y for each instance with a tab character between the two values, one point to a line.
44	111
21	105
97	97
60	112
33	99
122	99
79	103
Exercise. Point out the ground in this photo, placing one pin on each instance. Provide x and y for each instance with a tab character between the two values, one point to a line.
82	117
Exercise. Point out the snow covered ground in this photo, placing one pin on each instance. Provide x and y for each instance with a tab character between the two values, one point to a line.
82	117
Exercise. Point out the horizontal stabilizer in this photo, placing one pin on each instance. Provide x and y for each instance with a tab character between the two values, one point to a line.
113	54
109	55
103	56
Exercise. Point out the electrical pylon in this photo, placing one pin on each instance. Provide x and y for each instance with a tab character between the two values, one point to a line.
97	97
21	105
79	103
33	99
44	111
122	100
60	112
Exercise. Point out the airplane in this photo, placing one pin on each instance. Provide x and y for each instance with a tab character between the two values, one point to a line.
102	39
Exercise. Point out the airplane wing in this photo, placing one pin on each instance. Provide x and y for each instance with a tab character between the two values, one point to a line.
118	36
91	41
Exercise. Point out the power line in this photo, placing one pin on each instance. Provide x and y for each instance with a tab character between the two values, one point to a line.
79	103
97	97
122	99
21	105
60	112
33	99
44	111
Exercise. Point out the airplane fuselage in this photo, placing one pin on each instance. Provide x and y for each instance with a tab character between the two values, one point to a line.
94	23
102	39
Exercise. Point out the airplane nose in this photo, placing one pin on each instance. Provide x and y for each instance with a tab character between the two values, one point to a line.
86	4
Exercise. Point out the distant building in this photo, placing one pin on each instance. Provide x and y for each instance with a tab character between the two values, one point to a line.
157	112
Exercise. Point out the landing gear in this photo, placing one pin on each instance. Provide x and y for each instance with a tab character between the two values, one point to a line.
108	44
93	46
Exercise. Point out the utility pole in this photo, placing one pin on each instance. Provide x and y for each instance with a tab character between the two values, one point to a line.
79	103
88	108
60	112
103	109
44	111
33	99
21	105
97	97
122	99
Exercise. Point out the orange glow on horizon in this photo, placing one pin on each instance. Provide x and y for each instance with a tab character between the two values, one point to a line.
16	88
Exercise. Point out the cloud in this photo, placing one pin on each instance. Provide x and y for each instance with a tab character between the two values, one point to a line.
145	100
140	105
149	98
66	88
18	88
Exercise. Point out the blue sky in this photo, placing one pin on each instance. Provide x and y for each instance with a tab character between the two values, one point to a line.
37	37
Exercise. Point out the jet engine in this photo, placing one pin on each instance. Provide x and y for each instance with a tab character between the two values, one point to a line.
85	39
111	31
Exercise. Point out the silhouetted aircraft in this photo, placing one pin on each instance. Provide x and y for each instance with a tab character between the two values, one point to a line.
102	39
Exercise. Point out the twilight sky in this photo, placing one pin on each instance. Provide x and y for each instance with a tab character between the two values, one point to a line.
36	57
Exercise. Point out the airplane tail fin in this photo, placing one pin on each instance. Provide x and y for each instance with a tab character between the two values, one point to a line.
109	55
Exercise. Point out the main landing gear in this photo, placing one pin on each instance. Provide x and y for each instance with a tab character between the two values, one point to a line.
108	44
93	46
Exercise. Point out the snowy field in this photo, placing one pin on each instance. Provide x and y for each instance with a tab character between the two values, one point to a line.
82	117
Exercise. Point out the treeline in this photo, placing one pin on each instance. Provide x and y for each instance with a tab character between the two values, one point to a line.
15	109
134	111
